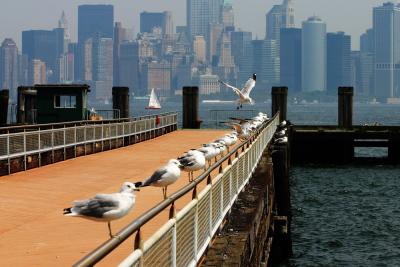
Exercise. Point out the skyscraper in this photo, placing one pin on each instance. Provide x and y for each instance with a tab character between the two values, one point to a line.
280	16
102	53
47	46
120	35
228	17
201	14
129	67
366	63
367	42
150	20
338	61
242	54
63	24
386	27
290	55
199	49
313	55
9	67
93	21
266	62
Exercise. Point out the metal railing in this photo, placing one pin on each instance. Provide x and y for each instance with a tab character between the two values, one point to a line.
182	240
22	144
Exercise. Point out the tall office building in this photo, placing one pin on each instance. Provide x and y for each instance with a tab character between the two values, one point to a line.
367	42
38	72
102	54
266	63
209	84
93	21
201	14
366	63
290	59
168	23
150	20
63	24
120	35
157	75
129	67
280	16
47	46
338	61
313	55
242	54
199	49
9	67
228	17
386	27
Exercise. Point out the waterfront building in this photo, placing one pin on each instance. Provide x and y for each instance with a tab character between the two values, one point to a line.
313	55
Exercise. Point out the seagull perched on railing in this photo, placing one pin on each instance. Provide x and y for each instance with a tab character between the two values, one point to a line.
228	139
105	207
193	160
244	94
164	176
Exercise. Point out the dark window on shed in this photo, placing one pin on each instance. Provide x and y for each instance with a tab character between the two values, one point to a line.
65	101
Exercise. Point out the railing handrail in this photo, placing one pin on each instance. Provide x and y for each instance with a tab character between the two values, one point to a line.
104	249
82	122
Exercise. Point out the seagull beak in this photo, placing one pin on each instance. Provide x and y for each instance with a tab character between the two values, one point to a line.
136	189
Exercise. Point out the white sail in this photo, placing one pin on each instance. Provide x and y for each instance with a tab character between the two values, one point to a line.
153	102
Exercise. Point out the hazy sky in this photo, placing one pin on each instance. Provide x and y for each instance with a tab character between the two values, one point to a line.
350	16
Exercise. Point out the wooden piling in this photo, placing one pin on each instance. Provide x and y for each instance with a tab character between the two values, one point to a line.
4	97
282	246
191	108
121	101
279	102
345	107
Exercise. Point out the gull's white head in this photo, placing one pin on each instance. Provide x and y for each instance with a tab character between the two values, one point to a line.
128	187
175	162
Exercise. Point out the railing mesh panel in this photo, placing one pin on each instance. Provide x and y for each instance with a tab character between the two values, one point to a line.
185	239
160	254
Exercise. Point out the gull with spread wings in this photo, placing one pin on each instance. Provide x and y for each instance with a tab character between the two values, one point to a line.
244	94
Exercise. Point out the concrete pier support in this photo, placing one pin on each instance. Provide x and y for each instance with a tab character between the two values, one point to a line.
279	102
191	108
4	97
345	107
121	101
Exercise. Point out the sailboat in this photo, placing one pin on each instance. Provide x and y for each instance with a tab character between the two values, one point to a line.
153	101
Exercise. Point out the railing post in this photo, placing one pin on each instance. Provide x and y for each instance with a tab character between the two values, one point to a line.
24	150
172	215
8	152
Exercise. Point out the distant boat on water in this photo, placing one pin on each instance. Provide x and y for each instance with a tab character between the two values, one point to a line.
153	101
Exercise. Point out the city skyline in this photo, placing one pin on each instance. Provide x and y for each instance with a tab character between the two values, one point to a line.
128	13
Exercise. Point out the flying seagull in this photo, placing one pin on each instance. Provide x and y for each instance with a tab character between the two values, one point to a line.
244	94
164	176
105	207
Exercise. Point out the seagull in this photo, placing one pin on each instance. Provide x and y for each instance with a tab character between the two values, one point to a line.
105	207
280	133
164	176
210	152
282	140
244	94
193	160
243	130
229	140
